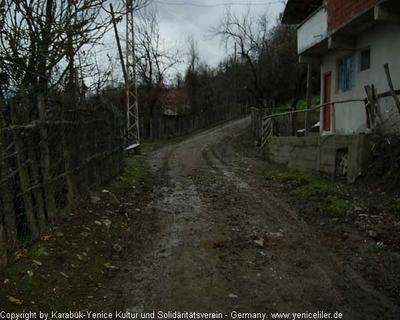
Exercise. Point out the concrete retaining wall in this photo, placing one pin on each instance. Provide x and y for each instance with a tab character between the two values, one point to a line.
333	155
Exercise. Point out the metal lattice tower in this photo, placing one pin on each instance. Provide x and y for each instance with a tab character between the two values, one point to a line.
132	106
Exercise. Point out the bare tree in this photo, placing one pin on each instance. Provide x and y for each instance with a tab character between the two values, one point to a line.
154	59
250	34
192	74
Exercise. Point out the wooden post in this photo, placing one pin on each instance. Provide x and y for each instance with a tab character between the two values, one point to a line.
3	248
391	86
378	106
67	165
45	162
34	170
309	99
24	175
6	188
369	107
333	118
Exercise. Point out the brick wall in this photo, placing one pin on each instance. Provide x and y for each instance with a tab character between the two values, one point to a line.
339	11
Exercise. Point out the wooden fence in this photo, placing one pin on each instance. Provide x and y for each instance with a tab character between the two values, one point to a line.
372	111
47	164
166	127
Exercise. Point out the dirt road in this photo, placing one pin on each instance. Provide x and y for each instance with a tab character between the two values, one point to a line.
225	242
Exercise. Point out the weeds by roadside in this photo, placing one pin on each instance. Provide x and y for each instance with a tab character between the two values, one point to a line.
67	268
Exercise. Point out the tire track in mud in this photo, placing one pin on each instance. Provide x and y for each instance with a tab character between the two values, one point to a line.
220	234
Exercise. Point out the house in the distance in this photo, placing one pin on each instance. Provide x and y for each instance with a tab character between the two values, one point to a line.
174	102
351	40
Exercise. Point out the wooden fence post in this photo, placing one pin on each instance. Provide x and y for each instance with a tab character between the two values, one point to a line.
34	170
3	248
24	175
309	100
67	165
333	117
9	218
391	86
45	162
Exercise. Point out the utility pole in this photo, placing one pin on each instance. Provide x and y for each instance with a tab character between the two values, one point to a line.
132	106
235	61
309	100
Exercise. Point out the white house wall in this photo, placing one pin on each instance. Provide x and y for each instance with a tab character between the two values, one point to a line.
313	30
384	42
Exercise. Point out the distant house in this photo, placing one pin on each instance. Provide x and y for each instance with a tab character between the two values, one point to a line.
351	40
174	102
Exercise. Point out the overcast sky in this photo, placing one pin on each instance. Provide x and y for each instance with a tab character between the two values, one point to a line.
181	19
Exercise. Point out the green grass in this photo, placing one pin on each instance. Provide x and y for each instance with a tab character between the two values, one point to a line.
328	197
134	175
302	103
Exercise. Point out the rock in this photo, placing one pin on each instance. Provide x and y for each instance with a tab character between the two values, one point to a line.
98	223
110	267
274	235
358	209
59	234
117	248
259	242
95	199
29	273
64	275
373	234
6	282
105	191
42	252
84	234
36	263
113	199
233	296
107	223
15	300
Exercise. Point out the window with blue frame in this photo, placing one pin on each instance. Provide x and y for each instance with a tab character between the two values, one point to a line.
346	73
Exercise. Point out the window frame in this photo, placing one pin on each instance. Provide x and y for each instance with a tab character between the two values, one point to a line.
360	55
346	73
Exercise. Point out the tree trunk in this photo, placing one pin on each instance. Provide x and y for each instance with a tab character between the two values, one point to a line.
24	176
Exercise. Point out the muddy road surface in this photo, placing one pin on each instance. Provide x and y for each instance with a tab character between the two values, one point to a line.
223	242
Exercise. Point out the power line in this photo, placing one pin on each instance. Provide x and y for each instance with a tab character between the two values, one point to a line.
186	3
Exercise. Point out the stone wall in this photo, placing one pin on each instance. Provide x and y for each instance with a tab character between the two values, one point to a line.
337	156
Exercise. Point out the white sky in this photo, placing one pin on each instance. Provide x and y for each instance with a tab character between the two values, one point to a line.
181	19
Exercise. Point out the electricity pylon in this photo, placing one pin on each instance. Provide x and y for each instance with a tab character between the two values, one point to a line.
132	105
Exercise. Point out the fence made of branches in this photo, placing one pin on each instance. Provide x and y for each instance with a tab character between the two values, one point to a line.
48	164
166	127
